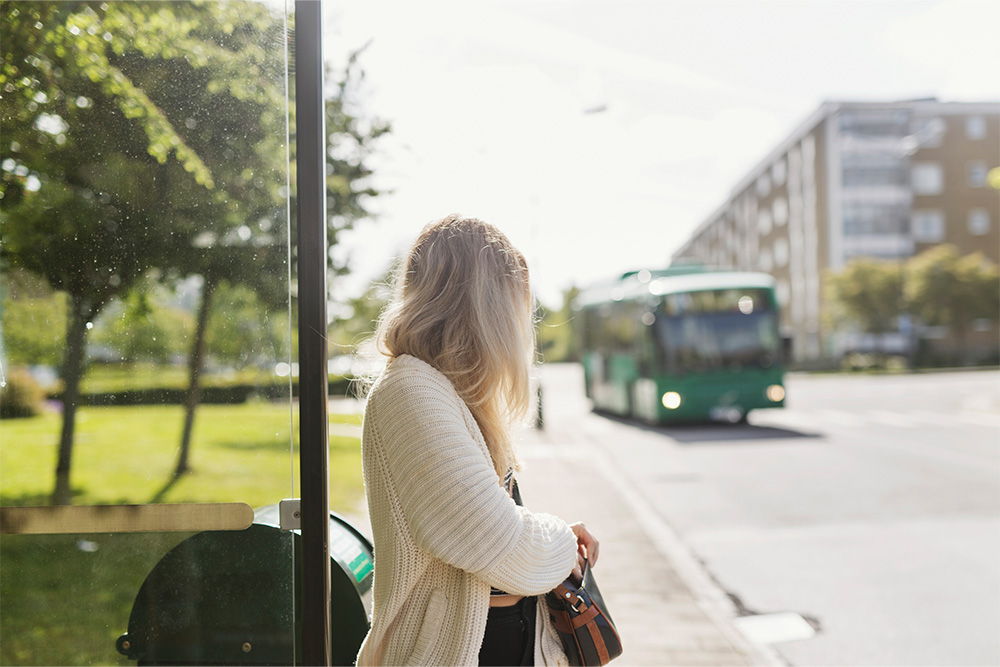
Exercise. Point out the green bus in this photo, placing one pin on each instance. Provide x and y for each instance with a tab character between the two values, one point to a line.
682	344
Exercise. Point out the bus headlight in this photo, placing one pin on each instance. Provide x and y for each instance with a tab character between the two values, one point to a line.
776	393
671	400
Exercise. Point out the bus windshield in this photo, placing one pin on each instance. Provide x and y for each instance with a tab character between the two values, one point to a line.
706	330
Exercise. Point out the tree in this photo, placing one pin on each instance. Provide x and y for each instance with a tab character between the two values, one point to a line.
33	321
354	320
106	169
144	325
351	137
943	288
240	323
869	293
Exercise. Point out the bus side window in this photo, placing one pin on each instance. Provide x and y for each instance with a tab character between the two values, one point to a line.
647	352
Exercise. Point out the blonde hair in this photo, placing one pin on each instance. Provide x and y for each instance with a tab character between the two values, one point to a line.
463	305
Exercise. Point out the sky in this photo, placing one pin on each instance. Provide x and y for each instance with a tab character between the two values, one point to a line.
599	135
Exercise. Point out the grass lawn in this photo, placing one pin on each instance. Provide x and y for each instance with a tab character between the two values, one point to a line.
65	599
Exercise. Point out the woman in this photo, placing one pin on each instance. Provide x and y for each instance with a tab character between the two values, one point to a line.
459	565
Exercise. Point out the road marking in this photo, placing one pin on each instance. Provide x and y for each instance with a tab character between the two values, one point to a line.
889	418
980	419
841	418
942	452
825	419
773	628
931	418
792	420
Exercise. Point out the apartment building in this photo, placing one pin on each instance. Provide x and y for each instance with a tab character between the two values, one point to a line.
874	179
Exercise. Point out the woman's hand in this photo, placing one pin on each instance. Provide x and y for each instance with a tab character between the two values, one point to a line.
587	547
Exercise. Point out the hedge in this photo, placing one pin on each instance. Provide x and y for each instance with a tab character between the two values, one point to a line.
227	394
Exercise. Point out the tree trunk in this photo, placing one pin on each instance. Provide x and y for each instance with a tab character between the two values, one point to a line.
195	361
72	372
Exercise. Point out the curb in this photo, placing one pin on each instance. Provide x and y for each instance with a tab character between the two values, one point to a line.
709	596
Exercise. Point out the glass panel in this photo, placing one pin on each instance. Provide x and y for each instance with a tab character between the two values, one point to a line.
146	329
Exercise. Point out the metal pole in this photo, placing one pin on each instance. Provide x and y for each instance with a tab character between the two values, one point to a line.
310	142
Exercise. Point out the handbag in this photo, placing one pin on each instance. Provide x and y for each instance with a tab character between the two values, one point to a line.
582	621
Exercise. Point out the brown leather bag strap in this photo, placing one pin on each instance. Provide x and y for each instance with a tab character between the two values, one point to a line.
598	639
586	615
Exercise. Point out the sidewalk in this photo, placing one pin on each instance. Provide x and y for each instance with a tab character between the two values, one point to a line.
667	610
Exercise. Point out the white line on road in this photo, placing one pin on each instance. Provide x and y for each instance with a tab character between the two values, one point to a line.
890	418
980	419
825	419
840	417
792	420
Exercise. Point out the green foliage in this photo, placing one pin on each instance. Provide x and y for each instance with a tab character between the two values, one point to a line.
111	378
20	396
241	331
138	122
354	324
33	321
946	289
216	391
144	326
352	137
557	340
91	114
869	293
938	287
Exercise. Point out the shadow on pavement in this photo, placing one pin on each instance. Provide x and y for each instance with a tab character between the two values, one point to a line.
715	432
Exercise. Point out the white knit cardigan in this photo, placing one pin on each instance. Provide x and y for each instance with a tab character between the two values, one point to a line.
444	529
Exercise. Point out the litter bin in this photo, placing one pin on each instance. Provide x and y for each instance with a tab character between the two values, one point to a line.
229	598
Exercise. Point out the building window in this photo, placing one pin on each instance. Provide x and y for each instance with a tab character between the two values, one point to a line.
864	124
779	211
780	252
977	174
779	172
764	222
873	176
975	127
928	226
979	222
927	178
861	219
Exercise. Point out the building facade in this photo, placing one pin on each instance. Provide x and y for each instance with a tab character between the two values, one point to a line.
884	180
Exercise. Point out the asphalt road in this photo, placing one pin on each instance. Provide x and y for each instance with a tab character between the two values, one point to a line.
870	506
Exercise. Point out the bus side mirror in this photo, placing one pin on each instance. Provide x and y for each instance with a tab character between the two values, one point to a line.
786	348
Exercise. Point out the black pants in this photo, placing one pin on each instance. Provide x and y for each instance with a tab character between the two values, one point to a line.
510	635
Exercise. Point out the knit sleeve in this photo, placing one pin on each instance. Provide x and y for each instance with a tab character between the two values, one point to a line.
449	494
